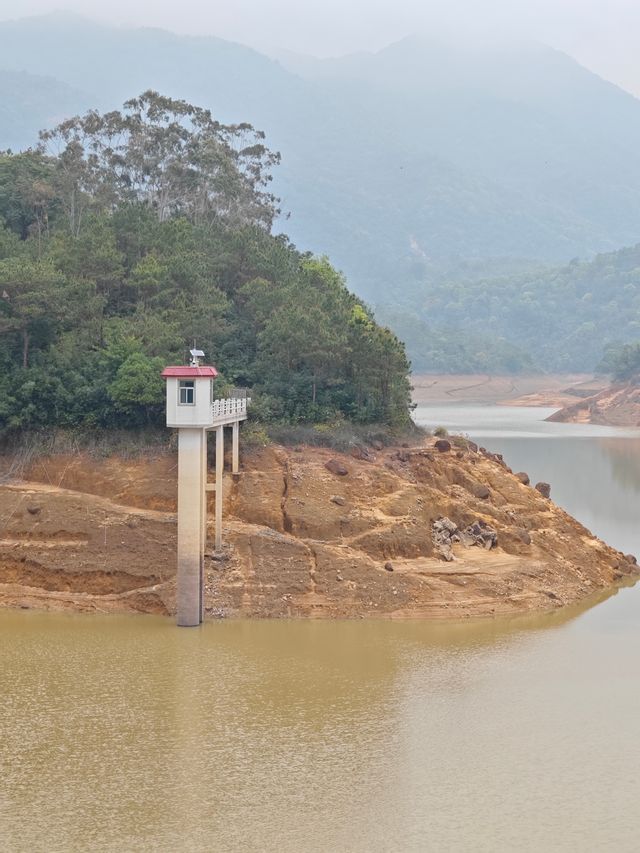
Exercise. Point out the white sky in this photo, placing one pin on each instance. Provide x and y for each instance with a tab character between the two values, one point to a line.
602	34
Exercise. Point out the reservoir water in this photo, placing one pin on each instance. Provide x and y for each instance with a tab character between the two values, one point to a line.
125	733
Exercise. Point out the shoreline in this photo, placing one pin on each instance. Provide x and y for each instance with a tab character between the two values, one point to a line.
525	390
301	541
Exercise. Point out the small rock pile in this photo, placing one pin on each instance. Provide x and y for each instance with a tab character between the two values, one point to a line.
444	533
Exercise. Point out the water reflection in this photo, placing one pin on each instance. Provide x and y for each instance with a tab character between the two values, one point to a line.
624	457
125	733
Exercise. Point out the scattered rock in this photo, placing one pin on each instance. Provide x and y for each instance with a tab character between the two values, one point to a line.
361	453
494	457
443	535
479	533
472	446
133	522
388	566
481	491
338	499
459	455
217	556
336	468
377	445
544	489
32	509
443	445
523	477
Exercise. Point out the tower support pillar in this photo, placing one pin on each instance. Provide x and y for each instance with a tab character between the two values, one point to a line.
235	456
219	472
192	452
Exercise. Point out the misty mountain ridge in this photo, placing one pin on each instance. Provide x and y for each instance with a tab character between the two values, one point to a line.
399	164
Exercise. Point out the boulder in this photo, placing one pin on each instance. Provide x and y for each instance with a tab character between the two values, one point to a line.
481	491
361	453
523	477
388	566
377	445
338	499
443	445
336	467
544	489
631	559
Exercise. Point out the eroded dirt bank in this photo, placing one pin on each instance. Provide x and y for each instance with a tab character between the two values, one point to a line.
617	405
301	540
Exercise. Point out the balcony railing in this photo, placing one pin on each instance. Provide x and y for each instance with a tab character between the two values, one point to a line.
230	407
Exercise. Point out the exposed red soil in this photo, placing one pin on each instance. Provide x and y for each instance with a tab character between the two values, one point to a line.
299	540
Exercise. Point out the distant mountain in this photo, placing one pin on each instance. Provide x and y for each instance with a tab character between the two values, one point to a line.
29	102
397	164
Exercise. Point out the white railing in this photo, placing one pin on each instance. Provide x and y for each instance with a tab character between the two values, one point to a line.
229	407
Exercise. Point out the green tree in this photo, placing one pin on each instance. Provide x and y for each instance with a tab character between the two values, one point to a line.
35	299
138	389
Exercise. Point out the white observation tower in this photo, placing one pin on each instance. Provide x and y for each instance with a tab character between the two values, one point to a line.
193	410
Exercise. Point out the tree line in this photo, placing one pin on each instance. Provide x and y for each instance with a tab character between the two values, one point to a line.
125	236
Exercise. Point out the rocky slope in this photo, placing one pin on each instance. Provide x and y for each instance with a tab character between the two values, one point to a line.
617	405
307	533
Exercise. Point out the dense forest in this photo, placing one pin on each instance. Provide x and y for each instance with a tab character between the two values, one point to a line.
622	362
492	317
125	236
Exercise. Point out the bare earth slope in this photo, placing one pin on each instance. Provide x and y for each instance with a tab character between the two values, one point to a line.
618	405
99	535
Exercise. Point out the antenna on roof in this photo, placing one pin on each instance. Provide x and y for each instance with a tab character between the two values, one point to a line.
196	356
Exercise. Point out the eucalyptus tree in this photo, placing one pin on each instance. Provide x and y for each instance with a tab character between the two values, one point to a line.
168	155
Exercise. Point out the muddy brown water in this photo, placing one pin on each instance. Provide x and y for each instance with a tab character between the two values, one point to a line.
126	733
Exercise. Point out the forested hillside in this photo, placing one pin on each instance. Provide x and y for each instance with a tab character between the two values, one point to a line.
126	236
553	318
453	185
424	149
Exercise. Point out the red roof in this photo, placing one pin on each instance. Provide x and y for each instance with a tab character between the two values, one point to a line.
189	372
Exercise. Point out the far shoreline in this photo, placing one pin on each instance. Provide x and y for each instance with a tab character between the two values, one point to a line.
535	390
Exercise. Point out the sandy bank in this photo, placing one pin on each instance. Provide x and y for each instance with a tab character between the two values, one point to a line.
616	405
99	535
526	390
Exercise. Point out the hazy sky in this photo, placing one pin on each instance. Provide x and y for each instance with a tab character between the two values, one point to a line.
602	34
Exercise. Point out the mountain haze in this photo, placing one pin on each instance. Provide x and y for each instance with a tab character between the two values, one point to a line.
401	165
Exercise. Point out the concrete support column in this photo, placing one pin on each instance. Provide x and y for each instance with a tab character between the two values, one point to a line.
219	470
203	528
235	465
191	518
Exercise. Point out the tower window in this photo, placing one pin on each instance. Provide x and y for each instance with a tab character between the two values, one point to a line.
186	393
